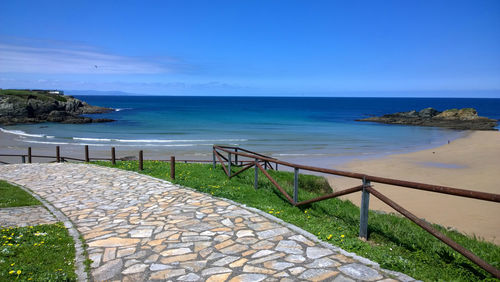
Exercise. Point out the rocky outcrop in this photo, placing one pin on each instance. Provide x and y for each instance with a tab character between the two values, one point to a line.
464	119
28	107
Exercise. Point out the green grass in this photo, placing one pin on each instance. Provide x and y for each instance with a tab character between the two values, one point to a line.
34	253
13	196
394	242
37	253
23	94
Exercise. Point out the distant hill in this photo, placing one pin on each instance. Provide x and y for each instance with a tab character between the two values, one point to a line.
101	93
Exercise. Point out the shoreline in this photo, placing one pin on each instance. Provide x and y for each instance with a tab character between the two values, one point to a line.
471	163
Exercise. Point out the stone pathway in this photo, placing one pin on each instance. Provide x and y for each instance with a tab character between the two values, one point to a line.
141	228
25	216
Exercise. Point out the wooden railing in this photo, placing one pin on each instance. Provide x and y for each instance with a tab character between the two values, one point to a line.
256	160
245	159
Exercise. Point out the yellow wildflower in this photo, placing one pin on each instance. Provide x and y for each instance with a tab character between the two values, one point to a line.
342	236
18	272
11	272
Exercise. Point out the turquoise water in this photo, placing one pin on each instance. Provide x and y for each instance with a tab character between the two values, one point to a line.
280	127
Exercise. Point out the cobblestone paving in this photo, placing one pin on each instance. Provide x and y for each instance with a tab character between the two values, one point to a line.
25	216
140	228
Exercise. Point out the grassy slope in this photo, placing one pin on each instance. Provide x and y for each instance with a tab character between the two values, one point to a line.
23	95
34	253
13	196
395	243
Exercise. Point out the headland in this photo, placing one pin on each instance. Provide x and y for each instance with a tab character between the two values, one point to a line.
36	106
463	119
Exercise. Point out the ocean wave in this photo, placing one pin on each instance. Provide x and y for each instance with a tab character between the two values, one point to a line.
21	133
93	139
46	142
155	140
122	109
173	140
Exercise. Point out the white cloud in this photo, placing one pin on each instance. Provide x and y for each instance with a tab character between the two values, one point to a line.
44	60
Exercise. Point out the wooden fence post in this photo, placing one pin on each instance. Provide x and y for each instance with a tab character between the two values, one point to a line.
141	160
256	180
296	185
172	167
236	157
229	164
87	159
29	155
213	158
113	156
363	213
23	159
58	154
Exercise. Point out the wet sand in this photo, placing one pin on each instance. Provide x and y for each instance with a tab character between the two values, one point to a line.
471	163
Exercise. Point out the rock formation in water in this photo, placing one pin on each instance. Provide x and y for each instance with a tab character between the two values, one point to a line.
465	119
24	106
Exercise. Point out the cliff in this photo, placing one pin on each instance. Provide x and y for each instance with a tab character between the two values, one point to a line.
21	106
465	119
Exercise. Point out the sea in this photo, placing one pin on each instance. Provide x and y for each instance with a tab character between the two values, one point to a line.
308	130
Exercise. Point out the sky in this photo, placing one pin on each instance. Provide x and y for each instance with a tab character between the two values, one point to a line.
415	48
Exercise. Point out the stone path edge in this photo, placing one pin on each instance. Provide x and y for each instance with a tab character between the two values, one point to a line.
401	276
73	232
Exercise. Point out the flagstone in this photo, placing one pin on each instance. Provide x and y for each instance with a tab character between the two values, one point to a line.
238	263
173	252
114	242
166	274
139	228
218	277
248	278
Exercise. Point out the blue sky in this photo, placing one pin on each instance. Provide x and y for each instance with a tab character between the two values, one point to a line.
308	48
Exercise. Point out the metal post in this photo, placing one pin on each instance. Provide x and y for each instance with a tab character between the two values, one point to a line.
58	154
296	186
276	166
140	160
255	183
213	158
363	217
113	156
87	159
23	159
236	156
229	164
172	167
29	155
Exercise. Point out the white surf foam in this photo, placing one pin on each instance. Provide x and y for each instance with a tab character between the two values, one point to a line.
21	133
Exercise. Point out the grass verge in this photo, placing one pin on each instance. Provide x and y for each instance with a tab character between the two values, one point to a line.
33	253
395	242
37	253
13	196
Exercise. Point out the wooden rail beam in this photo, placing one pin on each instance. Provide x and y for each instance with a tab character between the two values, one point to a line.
276	184
427	227
242	170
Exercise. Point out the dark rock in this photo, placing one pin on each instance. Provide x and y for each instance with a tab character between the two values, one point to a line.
32	107
464	119
99	120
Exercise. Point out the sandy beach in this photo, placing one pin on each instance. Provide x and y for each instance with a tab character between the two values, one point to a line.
472	163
